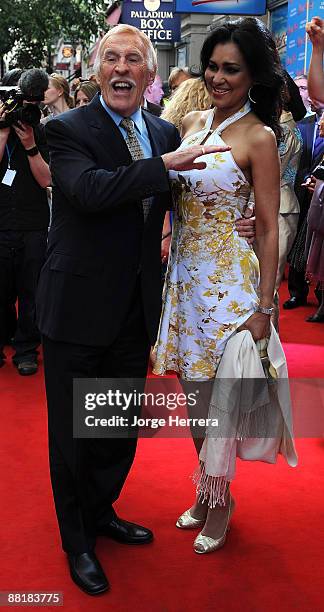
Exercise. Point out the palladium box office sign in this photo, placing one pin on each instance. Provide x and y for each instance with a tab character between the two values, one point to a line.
155	18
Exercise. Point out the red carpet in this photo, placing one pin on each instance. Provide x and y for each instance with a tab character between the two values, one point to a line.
274	555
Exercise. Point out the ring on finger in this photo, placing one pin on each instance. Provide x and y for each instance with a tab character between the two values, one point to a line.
203	150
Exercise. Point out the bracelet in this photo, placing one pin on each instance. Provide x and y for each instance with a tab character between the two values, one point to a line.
32	152
266	311
166	235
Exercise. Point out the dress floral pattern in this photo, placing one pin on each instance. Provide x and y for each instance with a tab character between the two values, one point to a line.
213	274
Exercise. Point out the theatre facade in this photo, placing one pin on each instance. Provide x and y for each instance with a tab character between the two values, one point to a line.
178	27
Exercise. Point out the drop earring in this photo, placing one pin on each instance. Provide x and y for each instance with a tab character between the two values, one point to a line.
250	97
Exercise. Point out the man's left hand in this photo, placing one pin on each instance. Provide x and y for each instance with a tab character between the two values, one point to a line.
26	134
310	183
246	228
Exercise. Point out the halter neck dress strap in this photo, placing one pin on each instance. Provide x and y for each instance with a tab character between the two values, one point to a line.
238	115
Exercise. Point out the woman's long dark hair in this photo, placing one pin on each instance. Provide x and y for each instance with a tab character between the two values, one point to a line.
261	57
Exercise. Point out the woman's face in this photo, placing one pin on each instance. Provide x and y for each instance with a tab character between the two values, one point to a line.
227	77
81	99
52	94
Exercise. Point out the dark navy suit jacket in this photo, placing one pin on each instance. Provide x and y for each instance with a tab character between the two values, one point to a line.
98	240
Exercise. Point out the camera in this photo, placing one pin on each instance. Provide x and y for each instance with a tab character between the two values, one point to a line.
19	101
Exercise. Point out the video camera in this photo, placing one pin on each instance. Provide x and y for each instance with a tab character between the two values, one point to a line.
18	100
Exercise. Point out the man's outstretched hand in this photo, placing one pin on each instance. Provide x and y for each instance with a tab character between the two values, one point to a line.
184	159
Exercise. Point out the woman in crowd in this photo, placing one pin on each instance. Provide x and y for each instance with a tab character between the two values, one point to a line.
191	95
57	100
290	150
216	285
57	96
178	76
84	92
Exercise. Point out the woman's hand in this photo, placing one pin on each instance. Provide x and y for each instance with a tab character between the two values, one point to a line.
26	134
153	356
165	248
258	324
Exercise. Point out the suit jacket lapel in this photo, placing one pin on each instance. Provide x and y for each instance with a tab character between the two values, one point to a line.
155	132
106	132
108	135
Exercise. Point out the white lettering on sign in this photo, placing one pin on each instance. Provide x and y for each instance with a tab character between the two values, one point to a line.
158	34
153	14
152	24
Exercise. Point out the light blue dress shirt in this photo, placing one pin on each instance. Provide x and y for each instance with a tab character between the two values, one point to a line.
140	127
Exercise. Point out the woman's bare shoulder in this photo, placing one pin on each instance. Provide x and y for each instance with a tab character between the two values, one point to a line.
258	133
193	122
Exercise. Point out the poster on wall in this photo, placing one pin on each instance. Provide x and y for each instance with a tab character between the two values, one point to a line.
155	18
298	46
279	30
222	7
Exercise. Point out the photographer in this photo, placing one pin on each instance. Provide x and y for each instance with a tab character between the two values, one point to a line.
24	218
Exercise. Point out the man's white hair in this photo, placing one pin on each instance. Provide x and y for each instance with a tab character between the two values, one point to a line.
122	28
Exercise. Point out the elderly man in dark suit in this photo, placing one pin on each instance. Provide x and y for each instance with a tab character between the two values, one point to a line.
99	294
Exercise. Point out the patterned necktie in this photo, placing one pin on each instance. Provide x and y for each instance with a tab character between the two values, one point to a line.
136	152
318	146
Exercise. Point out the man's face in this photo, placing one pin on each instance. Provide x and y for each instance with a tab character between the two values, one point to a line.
301	83
123	73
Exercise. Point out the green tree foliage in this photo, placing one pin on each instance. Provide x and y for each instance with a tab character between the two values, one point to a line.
31	27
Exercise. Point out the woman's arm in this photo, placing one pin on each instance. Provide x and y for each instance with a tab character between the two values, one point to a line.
265	166
315	30
265	170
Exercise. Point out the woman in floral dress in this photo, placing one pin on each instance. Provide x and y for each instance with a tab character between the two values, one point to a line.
216	284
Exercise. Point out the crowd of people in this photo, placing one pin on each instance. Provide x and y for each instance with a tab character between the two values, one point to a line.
224	187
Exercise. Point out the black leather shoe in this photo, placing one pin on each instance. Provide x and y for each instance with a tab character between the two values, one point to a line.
125	532
316	318
26	368
294	302
87	573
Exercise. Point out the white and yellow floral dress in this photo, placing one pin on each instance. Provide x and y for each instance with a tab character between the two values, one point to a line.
213	274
